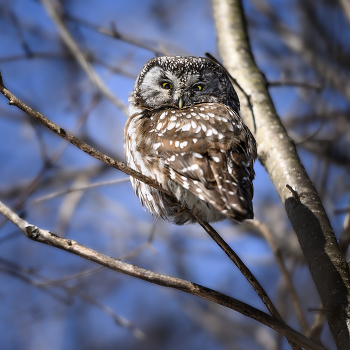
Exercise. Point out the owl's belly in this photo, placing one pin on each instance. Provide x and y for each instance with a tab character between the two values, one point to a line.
161	205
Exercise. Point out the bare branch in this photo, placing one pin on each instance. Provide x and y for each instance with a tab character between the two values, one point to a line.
265	231
302	84
113	33
13	100
80	57
241	266
80	188
344	240
73	247
21	273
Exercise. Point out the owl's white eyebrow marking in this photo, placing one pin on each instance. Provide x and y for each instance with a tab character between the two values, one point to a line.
183	144
177	143
171	126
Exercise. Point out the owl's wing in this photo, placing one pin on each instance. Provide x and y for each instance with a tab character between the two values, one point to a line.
209	151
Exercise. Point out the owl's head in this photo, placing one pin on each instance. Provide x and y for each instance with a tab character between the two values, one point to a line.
180	82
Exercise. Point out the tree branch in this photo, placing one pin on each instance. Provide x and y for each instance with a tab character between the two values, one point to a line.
49	238
80	57
277	153
121	166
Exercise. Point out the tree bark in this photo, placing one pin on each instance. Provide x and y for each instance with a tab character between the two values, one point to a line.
277	153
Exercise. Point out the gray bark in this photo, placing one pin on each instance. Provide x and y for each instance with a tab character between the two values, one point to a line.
277	153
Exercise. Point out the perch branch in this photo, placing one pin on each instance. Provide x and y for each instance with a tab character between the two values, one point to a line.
49	238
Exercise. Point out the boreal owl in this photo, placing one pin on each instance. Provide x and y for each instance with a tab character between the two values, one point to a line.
185	132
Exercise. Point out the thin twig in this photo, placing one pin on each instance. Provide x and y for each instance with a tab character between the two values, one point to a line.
344	240
241	266
13	100
80	188
54	157
285	82
80	57
113	33
311	136
317	325
265	231
73	247
20	272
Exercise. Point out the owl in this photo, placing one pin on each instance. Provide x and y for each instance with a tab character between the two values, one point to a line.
184	131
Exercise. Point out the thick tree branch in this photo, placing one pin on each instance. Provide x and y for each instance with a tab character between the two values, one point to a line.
73	247
277	153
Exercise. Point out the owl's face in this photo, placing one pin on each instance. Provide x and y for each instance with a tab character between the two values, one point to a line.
180	82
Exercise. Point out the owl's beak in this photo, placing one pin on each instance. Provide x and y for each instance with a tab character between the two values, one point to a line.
181	103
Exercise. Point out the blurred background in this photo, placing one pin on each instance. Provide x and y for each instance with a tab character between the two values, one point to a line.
50	299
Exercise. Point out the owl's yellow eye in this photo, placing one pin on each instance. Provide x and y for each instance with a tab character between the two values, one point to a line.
167	86
197	88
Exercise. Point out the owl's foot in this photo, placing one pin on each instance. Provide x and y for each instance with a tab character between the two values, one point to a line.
181	210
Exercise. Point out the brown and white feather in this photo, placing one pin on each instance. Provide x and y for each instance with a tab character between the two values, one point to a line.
202	153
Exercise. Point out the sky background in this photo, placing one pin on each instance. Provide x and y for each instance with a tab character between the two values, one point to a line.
110	219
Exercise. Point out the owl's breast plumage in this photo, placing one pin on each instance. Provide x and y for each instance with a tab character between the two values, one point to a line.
196	153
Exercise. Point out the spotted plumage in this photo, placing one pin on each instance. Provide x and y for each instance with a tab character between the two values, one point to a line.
185	132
